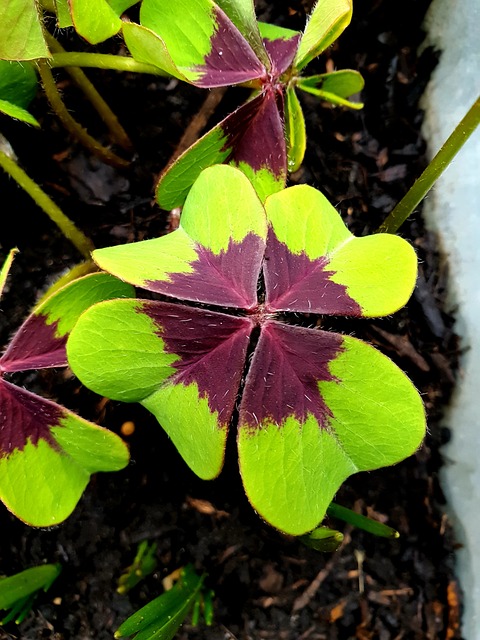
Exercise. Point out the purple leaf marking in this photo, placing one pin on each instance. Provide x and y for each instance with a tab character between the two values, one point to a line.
288	363
228	279
255	133
35	346
25	416
211	349
231	59
294	282
281	53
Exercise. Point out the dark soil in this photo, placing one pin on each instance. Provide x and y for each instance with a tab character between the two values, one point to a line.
266	585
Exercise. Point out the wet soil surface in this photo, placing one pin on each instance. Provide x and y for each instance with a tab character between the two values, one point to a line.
266	585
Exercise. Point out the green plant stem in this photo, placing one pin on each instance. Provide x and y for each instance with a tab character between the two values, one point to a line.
57	104
119	134
104	61
66	226
436	167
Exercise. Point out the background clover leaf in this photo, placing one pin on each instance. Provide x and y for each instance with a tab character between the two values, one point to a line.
316	406
222	44
47	453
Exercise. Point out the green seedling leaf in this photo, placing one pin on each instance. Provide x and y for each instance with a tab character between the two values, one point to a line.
323	539
98	25
295	133
161	618
327	21
361	522
316	406
21	33
335	87
17	113
94	21
18	82
143	564
4	271
211	51
18	85
17	592
47	453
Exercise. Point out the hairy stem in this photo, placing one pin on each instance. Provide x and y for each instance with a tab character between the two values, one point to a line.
436	167
57	104
118	133
66	226
104	61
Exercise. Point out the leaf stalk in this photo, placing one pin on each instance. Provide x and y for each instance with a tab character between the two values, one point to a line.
81	134
66	226
110	119
436	167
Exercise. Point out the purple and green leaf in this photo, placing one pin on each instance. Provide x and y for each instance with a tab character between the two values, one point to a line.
316	406
182	363
242	14
214	258
48	453
349	409
251	138
222	44
47	456
315	265
281	45
40	341
211	52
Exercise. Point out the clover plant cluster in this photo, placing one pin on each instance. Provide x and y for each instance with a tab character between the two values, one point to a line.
229	337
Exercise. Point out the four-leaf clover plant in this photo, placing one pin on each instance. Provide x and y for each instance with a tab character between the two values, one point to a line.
224	339
220	43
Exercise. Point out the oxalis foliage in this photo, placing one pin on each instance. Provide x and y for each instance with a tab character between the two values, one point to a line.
47	452
214	44
314	406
